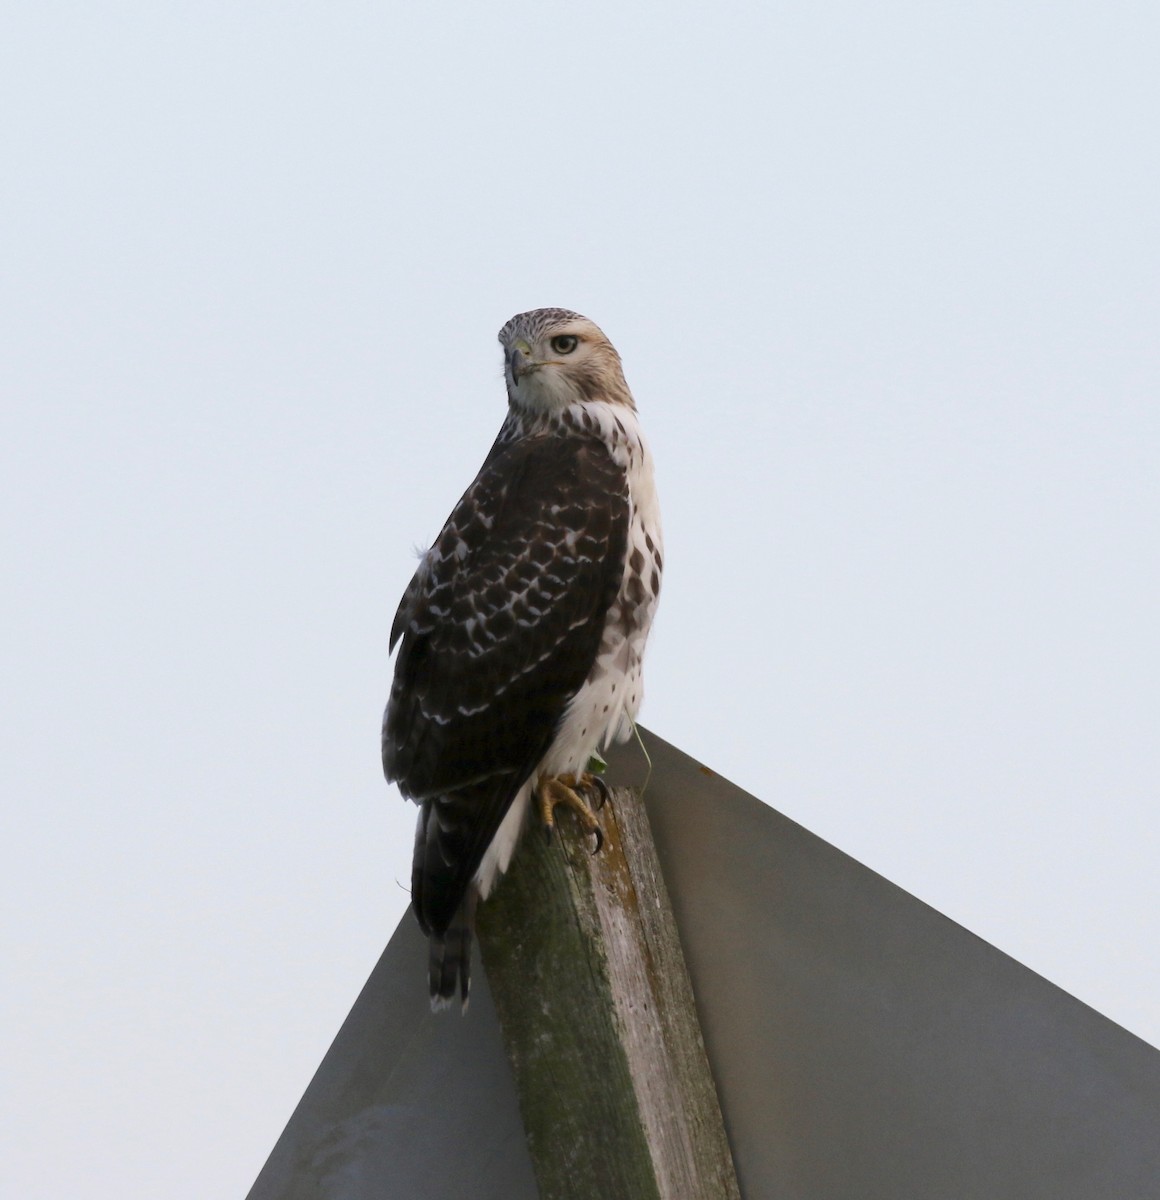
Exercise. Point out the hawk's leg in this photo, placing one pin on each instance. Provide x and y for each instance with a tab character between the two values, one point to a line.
566	790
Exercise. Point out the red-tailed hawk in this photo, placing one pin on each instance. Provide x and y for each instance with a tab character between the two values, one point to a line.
524	627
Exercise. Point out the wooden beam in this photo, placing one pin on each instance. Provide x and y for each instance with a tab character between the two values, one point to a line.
586	969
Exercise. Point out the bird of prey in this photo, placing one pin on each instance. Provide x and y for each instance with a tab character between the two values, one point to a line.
523	629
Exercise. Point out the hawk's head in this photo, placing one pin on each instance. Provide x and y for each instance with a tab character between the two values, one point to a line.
553	358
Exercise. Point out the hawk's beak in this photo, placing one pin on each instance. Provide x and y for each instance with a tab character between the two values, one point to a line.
522	361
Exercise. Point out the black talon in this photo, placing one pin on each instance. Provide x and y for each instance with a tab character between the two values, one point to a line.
602	792
599	840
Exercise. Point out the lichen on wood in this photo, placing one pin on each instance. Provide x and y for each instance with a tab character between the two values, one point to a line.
584	962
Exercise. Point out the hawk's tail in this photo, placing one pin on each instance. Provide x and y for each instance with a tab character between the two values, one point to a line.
449	962
453	832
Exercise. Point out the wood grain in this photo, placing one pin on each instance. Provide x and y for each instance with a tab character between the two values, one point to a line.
585	965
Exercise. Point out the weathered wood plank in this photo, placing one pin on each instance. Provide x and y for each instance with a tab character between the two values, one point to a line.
586	969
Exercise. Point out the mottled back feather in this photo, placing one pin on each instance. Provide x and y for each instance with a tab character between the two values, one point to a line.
499	628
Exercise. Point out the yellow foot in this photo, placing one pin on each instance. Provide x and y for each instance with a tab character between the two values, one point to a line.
565	790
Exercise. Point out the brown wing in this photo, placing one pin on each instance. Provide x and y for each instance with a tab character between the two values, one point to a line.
499	627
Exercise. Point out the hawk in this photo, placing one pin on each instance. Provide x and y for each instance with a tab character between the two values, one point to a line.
522	632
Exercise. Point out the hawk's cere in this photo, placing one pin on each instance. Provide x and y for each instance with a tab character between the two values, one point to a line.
524	627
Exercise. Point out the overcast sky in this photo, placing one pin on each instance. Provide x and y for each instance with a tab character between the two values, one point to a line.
886	282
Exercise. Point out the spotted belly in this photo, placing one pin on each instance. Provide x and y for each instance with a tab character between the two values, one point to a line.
605	707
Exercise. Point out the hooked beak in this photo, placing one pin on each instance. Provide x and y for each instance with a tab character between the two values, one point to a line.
521	363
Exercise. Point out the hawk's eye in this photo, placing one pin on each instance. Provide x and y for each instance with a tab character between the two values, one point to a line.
564	343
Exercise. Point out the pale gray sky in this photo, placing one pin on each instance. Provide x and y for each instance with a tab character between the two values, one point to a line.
886	282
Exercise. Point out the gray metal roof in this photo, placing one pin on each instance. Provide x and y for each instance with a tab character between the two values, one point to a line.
864	1046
